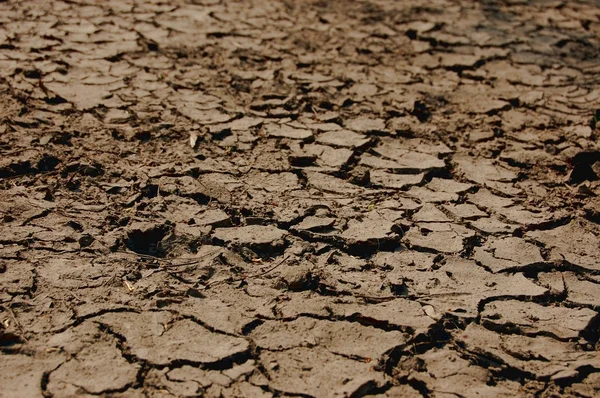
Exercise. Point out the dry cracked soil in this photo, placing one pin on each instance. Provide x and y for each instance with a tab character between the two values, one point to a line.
215	198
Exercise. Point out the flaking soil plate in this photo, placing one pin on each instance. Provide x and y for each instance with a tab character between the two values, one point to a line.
299	198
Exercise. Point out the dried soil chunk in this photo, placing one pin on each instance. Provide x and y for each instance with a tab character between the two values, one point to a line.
405	314
425	194
484	170
180	383
214	218
363	283
251	235
526	157
243	389
531	318
190	381
410	160
525	217
244	123
444	370
349	339
365	125
67	273
377	162
83	96
395	181
205	116
344	262
297	304
480	136
16	277
313	223
576	242
399	203
588	388
285	131
581	291
446	185
484	104
325	126
465	211
484	198
317	372
342	138
117	116
362	91
147	238
369	231
459	60
203	189
95	369
273	182
554	281
541	356
22	375
217	186
492	225
231	316
156	338
403	390
327	156
460	285
500	254
487	173
405	258
297	278
328	183
438	237
430	213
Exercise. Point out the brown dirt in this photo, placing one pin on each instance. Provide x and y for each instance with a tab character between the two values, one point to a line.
299	198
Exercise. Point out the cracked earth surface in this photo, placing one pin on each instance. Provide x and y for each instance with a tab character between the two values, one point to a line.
299	198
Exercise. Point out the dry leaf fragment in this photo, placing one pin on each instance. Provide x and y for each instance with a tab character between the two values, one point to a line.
129	285
193	139
430	312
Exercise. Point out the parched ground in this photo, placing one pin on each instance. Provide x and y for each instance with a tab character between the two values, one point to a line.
299	198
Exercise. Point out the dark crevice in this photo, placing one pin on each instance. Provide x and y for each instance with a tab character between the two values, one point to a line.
84	318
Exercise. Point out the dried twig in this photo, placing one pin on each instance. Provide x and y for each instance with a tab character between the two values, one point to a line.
162	260
268	270
244	278
128	285
18	324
